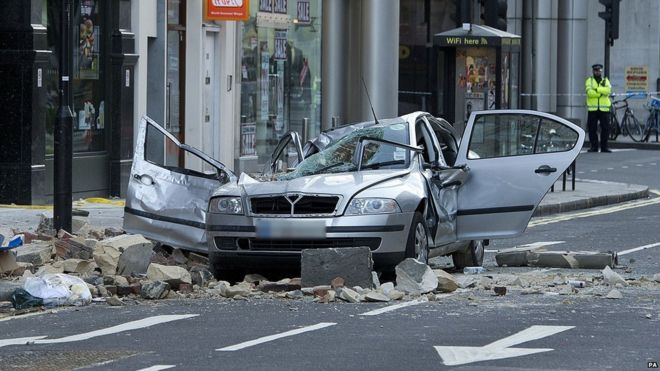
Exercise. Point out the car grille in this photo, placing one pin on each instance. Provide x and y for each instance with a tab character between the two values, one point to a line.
293	204
297	245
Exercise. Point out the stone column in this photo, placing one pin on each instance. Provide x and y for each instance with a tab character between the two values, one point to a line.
572	59
334	64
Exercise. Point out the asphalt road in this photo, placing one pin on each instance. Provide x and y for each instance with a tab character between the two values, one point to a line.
579	332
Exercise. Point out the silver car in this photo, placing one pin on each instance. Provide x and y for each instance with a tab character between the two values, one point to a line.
404	187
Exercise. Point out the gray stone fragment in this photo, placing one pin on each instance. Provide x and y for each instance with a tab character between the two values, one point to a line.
154	290
538	257
656	277
254	278
114	301
179	257
446	281
349	295
200	276
376	296
375	280
171	274
415	277
614	294
35	253
136	252
242	289
353	264
45	226
612	278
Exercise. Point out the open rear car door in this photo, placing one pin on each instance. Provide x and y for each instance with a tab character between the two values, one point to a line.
514	157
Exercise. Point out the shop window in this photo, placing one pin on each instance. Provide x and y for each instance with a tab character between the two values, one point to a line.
280	75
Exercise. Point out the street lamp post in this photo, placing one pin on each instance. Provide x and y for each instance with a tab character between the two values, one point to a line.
64	128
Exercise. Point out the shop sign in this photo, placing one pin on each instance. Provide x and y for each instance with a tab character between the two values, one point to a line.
304	12
273	6
464	41
280	45
637	78
226	10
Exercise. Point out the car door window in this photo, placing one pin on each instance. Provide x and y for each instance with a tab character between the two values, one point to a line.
163	151
518	135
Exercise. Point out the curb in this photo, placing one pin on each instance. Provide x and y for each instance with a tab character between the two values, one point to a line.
633	145
587	203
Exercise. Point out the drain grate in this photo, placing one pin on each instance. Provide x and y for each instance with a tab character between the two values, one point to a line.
58	360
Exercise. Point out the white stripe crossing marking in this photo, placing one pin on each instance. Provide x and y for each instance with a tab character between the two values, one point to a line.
533	245
266	339
638	248
655	191
133	325
157	368
397	306
459	355
585	214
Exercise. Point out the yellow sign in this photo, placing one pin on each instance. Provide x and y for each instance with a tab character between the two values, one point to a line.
463	41
637	78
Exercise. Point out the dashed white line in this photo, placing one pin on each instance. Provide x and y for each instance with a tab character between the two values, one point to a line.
639	165
133	325
624	167
395	307
157	368
19	341
638	248
265	339
610	168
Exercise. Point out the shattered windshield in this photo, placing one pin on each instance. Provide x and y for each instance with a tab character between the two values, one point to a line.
340	156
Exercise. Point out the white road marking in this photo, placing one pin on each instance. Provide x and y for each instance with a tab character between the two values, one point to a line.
452	356
640	165
624	167
19	341
594	171
26	315
653	164
265	339
585	214
133	325
157	368
610	168
638	248
655	191
396	306
533	245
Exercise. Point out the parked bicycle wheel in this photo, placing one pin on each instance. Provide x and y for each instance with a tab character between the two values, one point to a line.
634	128
615	130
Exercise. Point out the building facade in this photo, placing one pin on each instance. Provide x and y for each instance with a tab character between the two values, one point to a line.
233	88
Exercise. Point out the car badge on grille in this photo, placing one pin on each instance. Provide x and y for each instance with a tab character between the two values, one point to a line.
292	198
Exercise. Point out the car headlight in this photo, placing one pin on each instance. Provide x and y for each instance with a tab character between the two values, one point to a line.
362	206
226	205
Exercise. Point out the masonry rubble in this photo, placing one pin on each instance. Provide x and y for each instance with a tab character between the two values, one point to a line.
121	269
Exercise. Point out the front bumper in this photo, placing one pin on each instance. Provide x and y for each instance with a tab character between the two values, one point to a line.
234	238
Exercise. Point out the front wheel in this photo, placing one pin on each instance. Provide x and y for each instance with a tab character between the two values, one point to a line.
418	244
635	129
473	256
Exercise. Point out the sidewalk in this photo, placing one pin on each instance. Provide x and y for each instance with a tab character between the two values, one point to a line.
627	142
587	194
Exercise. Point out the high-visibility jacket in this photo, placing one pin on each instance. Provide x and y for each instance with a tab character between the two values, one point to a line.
598	95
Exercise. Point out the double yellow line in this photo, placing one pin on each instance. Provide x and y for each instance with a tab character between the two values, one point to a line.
91	200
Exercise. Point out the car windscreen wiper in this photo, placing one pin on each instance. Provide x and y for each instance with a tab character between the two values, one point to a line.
332	166
377	165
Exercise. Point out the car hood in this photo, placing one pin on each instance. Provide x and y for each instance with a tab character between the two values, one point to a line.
344	184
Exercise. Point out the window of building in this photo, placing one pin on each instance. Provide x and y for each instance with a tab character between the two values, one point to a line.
280	75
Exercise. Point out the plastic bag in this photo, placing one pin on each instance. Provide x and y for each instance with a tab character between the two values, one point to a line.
22	299
59	289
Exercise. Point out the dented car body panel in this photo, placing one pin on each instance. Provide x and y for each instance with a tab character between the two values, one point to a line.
365	185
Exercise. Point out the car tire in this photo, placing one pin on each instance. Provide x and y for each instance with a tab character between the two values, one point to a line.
221	272
417	246
473	256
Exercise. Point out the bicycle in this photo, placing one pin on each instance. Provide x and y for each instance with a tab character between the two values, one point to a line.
629	124
653	122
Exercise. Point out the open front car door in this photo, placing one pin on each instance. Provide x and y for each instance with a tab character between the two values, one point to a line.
169	189
514	157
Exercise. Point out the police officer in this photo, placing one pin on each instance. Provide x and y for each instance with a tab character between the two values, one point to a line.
598	90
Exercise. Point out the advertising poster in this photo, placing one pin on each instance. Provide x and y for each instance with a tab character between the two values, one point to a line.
264	81
280	45
88	41
226	10
637	79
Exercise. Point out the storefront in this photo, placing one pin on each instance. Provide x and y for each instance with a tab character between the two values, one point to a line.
102	63
280	76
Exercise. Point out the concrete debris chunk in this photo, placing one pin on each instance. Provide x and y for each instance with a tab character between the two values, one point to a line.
171	274
396	295
538	257
446	281
80	266
337	282
349	295
7	262
353	264
179	257
254	278
614	294
114	301
73	248
499	290
136	255
656	277
201	276
7	288
415	277
374	279
107	258
35	253
295	294
377	297
386	288
242	289
197	259
113	232
279	286
613	278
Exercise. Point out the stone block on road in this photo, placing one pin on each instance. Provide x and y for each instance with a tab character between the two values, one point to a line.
353	264
415	277
171	274
35	253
